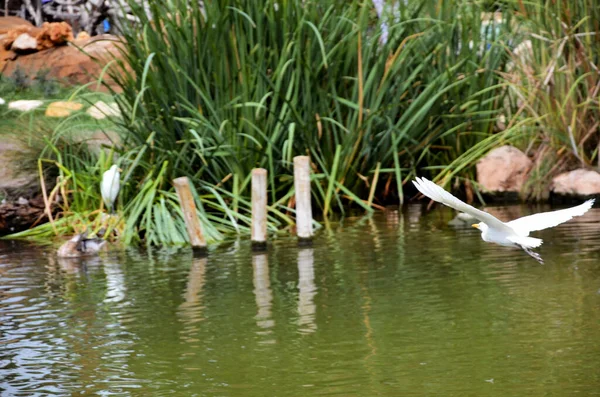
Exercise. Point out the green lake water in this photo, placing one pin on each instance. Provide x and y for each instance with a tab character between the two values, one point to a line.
401	304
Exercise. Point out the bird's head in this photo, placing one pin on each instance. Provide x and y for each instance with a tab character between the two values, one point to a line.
481	226
78	237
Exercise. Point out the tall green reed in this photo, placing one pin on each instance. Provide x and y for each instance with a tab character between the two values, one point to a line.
212	91
243	84
554	83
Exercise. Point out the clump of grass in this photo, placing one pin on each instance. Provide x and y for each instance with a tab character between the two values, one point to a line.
212	91
555	83
21	85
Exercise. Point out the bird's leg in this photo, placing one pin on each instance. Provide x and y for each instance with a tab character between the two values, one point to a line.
534	255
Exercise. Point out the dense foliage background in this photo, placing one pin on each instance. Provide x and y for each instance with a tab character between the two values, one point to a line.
375	96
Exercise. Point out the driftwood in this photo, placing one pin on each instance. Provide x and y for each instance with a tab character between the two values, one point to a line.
22	214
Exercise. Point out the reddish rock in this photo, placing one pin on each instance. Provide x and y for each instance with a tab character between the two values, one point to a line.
67	64
504	169
11	36
579	182
10	23
51	34
6	55
54	34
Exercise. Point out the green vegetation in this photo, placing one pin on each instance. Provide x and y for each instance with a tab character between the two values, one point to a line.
551	109
212	93
46	141
254	86
557	85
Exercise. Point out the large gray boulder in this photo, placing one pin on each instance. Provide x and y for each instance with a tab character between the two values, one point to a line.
503	170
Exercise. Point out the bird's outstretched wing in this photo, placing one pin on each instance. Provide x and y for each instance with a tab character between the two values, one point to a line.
523	226
438	194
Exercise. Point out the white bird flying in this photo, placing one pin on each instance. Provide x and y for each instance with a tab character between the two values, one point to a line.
511	234
110	186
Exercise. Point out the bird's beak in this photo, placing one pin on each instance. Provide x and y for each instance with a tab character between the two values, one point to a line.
475	225
120	170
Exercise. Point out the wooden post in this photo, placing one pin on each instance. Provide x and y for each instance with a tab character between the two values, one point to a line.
259	209
192	223
303	205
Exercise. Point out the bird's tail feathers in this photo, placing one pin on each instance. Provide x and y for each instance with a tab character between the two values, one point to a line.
527	242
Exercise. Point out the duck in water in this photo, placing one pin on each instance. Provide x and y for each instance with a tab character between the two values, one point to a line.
80	245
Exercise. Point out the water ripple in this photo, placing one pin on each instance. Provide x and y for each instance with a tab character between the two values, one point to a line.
395	304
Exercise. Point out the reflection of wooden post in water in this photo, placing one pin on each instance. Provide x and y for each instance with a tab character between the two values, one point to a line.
195	284
303	202
259	209
414	214
190	311
391	217
262	290
192	223
307	290
115	283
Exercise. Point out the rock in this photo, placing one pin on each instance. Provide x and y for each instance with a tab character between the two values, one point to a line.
9	38
2	102
49	35
11	23
54	34
15	217
62	109
580	182
101	110
6	56
25	105
24	43
83	36
8	24
18	174
22	201
66	64
503	169
99	140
